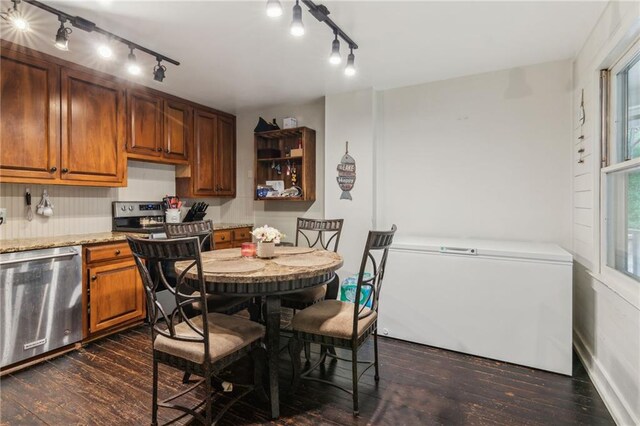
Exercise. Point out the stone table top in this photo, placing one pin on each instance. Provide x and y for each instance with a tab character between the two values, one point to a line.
271	272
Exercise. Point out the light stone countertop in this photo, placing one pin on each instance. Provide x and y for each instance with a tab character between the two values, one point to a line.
23	244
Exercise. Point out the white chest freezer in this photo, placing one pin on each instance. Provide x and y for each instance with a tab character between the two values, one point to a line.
504	300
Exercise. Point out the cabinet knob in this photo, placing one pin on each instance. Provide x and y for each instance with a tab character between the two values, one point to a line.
222	238
117	252
159	149
64	170
53	169
167	151
93	277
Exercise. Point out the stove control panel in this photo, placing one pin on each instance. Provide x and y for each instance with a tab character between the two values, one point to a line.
137	209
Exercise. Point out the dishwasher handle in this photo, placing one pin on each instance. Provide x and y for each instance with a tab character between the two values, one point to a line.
458	250
34	258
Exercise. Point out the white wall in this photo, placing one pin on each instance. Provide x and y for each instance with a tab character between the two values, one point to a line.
350	117
280	214
77	209
606	320
484	156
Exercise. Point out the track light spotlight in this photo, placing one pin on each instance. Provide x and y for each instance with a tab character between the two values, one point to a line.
14	16
274	8
335	58
350	69
62	36
297	28
105	51
132	64
158	71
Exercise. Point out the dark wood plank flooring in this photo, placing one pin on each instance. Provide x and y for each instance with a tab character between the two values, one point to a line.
109	383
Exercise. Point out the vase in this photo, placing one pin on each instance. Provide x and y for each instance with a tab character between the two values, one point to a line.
266	250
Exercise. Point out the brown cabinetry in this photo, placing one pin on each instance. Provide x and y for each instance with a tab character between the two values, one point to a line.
228	238
212	168
144	124
294	149
158	129
113	291
177	130
29	101
93	123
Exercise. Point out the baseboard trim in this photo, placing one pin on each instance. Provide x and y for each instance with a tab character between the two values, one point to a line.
620	411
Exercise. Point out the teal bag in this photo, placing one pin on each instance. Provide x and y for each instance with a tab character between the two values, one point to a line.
348	290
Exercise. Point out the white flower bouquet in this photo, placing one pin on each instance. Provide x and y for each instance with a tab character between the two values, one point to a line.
267	234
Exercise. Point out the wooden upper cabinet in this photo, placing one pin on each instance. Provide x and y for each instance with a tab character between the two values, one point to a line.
93	124
177	130
205	133
144	124
225	157
29	119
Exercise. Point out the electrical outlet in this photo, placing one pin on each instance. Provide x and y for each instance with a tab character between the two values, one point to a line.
3	215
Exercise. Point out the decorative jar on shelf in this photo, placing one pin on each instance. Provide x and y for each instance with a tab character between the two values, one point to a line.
266	250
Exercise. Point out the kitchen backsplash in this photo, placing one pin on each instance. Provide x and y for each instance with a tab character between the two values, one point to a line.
79	210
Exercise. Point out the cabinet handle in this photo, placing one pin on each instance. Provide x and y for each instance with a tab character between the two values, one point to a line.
167	151
117	252
159	149
53	169
222	238
64	170
94	277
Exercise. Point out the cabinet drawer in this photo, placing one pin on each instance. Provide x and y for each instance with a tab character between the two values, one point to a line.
242	235
222	236
224	245
108	252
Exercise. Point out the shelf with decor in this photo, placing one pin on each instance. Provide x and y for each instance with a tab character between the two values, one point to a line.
287	155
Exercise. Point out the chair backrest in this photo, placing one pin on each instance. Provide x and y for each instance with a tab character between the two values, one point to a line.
202	229
376	250
318	233
149	255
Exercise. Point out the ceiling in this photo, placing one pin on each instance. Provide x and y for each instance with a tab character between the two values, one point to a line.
234	57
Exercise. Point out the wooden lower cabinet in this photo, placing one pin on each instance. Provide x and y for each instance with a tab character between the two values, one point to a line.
114	291
229	238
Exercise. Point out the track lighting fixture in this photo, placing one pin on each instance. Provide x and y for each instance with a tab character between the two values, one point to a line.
14	16
321	13
105	50
350	69
158	71
297	28
274	8
335	58
132	64
62	36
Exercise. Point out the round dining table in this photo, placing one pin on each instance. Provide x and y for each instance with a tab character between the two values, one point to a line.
291	269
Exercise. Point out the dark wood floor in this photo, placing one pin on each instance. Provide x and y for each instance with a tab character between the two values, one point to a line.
109	383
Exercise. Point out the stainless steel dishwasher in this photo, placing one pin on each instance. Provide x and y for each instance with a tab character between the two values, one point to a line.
41	306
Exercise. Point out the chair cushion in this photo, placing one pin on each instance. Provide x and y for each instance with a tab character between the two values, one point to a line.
220	303
308	295
331	318
227	334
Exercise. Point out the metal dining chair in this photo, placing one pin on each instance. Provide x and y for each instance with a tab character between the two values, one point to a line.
204	231
203	345
322	234
343	324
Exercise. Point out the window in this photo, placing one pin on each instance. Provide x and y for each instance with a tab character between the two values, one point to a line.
621	176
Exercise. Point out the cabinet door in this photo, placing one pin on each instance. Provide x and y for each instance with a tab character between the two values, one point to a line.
116	295
144	124
93	117
177	130
224	159
30	119
205	133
